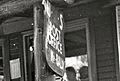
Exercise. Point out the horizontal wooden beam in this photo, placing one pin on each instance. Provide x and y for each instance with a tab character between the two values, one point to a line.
78	2
16	6
63	1
111	3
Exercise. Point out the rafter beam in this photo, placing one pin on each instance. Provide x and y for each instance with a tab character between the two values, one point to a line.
63	1
78	2
111	3
15	6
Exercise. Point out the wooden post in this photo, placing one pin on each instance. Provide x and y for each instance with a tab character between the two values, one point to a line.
90	33
38	26
38	43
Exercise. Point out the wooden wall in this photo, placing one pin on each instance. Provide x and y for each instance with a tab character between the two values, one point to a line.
13	48
16	24
104	40
104	47
102	24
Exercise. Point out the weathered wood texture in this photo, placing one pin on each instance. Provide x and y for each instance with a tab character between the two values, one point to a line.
117	39
104	43
6	60
38	40
82	11
13	7
13	50
62	1
111	3
104	40
16	24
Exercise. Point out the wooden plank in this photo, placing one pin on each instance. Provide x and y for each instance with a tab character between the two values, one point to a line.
15	51
90	33
108	79
81	2
106	69
105	63
6	59
62	2
104	48
107	75
16	6
69	3
18	24
103	45
107	56
38	26
116	36
111	3
103	51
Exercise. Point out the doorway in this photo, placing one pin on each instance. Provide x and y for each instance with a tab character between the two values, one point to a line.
29	65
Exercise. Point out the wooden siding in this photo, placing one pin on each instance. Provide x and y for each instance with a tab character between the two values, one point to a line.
105	55
16	24
14	51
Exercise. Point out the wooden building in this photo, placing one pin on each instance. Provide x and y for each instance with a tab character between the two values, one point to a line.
90	26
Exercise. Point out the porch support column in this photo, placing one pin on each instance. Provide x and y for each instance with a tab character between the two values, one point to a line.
38	30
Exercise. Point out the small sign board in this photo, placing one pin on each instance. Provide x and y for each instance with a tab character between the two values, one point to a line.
15	68
54	38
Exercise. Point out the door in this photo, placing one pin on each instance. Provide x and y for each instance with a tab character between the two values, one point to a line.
29	58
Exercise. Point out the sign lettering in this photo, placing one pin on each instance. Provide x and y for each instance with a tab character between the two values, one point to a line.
54	41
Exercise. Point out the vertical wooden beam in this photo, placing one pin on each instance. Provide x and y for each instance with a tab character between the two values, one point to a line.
116	39
90	32
6	59
38	43
38	26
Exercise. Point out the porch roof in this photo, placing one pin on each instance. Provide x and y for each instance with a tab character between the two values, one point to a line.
10	7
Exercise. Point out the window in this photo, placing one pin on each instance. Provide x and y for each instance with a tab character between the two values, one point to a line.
76	55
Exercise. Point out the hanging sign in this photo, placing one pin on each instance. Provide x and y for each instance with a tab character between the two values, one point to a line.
53	36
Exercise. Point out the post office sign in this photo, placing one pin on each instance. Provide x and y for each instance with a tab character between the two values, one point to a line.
54	38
